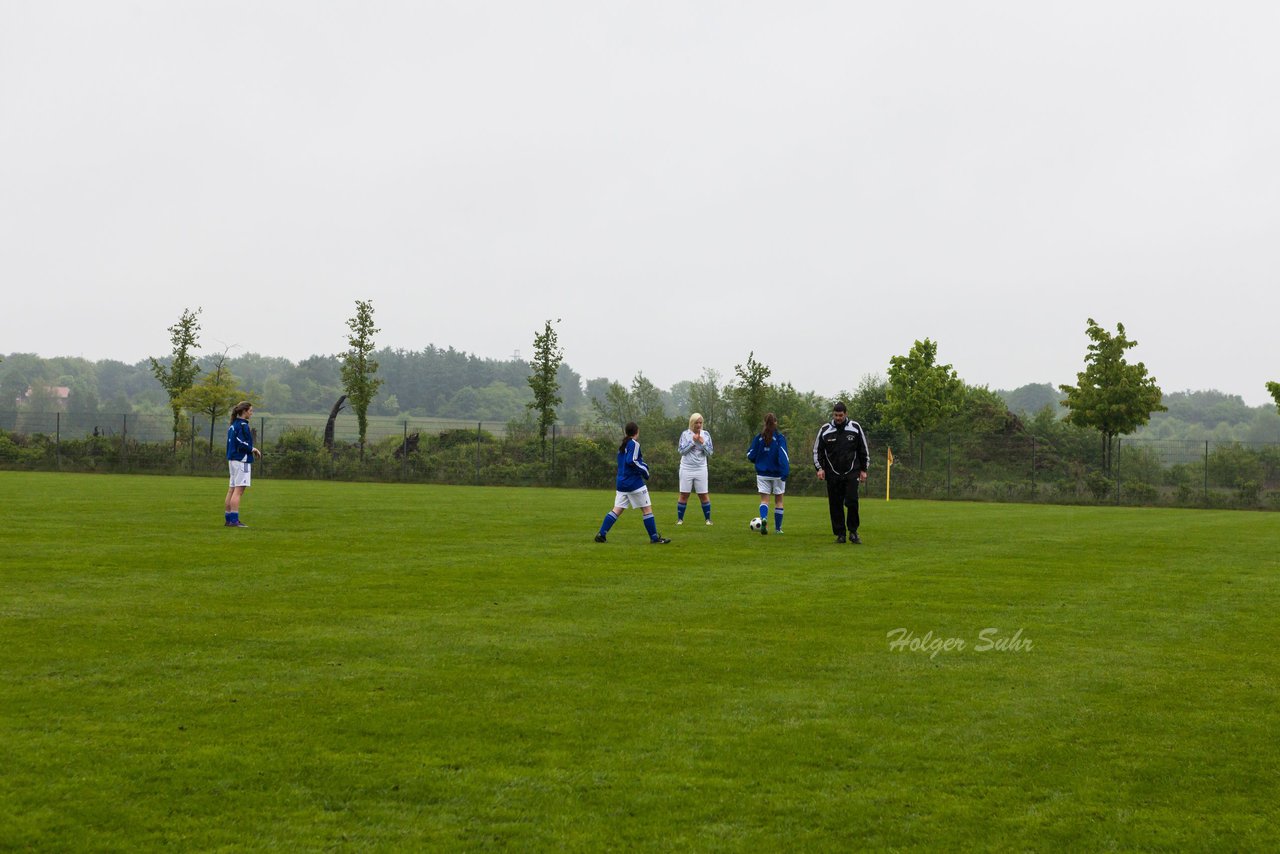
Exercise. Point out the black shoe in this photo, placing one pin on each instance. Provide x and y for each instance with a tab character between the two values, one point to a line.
855	539
764	530
659	541
840	539
600	538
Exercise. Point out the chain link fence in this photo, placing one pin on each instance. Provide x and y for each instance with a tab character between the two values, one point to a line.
942	466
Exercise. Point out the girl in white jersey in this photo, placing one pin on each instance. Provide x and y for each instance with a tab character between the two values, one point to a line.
694	447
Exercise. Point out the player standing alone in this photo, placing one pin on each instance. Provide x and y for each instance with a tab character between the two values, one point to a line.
240	456
695	447
632	492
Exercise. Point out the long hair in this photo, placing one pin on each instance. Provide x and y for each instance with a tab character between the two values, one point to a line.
631	430
770	424
240	409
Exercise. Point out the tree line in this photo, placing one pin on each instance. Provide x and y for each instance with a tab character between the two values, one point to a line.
919	395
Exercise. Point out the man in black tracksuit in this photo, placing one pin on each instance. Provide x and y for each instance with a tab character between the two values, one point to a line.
840	455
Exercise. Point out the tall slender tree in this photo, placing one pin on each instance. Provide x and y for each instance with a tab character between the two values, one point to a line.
751	394
545	366
1110	395
359	366
180	374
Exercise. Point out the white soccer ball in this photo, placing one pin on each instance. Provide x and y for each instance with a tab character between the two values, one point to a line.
756	523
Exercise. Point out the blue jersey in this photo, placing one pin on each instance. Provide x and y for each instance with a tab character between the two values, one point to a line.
632	472
240	441
771	460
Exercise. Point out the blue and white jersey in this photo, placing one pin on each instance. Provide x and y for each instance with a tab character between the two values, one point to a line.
771	460
632	471
240	441
693	455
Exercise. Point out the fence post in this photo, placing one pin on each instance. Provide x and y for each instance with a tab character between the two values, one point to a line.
478	426
1206	471
1119	442
1033	461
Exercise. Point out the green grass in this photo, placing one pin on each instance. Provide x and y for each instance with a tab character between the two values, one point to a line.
391	666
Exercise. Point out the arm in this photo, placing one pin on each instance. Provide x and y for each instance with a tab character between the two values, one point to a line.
638	461
754	451
686	445
783	458
706	443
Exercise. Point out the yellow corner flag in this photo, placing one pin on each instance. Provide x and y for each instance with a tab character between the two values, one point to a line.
887	472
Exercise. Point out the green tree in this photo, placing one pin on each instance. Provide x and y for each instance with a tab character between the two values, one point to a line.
751	394
616	408
359	366
1111	395
544	381
706	396
1274	388
214	395
922	395
180	374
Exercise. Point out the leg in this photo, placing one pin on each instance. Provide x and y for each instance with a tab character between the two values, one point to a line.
681	503
852	503
651	525
705	498
609	519
835	504
777	512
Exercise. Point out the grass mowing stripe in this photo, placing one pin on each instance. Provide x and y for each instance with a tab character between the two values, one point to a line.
393	665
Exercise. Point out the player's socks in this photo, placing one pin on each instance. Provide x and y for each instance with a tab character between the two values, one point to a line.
651	525
706	511
226	517
609	519
233	518
680	508
777	519
764	512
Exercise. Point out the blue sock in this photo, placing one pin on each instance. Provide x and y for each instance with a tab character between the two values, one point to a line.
651	525
226	517
777	519
706	510
764	512
680	506
235	517
609	519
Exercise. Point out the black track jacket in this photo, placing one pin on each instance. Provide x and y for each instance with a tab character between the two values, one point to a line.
841	451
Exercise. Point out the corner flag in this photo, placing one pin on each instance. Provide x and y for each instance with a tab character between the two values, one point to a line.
887	473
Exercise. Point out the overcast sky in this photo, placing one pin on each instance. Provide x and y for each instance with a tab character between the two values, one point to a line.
681	182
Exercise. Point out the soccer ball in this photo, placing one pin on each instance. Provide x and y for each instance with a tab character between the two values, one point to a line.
756	523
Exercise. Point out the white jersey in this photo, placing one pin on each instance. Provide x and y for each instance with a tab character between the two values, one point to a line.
693	455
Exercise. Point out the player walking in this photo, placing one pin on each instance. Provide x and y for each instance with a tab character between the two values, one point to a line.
769	452
632	492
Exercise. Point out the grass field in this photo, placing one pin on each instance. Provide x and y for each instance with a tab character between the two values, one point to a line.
424	667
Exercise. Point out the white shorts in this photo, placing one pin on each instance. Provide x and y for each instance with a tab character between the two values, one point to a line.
770	485
239	472
639	498
694	480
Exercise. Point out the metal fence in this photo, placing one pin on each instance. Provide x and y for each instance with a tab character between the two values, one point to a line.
1067	469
